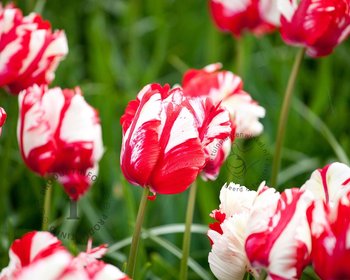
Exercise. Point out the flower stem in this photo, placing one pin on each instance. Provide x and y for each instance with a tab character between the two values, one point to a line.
187	235
47	206
130	269
284	116
240	55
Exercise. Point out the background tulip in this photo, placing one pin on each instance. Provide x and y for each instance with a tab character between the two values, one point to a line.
319	26
257	16
30	51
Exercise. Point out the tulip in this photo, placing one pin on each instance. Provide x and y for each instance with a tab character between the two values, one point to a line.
228	235
30	51
319	26
167	142
59	133
41	256
226	88
167	138
256	16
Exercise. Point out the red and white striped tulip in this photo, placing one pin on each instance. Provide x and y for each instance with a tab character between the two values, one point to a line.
41	256
3	117
256	16
330	230
60	133
317	25
278	240
226	88
166	138
330	183
30	51
228	259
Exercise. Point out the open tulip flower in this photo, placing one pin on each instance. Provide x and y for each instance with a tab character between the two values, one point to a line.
280	241
29	50
2	118
59	133
256	16
228	258
319	26
167	138
41	256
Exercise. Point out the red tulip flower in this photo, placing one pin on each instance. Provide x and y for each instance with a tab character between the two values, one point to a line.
40	255
59	133
2	118
319	26
29	50
256	16
167	138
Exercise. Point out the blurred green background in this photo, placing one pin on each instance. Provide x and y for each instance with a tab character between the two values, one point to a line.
116	47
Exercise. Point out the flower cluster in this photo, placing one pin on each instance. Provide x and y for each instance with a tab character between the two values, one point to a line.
319	26
40	255
284	232
170	136
57	129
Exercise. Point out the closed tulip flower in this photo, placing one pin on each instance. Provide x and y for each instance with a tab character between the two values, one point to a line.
167	138
29	50
319	26
59	133
256	16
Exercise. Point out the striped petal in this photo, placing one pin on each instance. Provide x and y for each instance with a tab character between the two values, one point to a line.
279	238
330	238
329	183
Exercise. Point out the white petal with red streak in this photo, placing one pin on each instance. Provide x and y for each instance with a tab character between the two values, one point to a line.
41	120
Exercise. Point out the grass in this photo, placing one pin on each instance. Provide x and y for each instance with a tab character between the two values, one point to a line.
116	47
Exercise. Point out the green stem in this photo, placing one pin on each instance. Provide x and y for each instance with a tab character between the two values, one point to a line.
130	269
187	235
284	116
39	6
47	206
240	53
